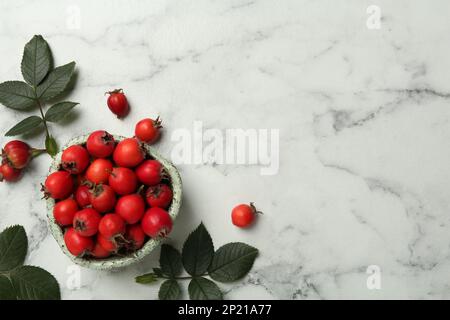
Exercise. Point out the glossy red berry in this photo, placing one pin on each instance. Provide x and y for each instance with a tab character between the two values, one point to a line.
156	223
17	154
148	130
77	244
99	171
131	208
150	172
128	153
135	237
75	159
99	252
58	185
8	173
109	245
117	103
83	196
244	215
103	198
64	211
100	144
123	181
86	222
111	226
159	195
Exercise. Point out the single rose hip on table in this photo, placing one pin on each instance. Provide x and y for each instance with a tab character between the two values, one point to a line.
99	171
150	172
64	212
100	144
117	103
102	198
86	222
77	244
75	159
123	181
244	215
159	195
129	153
8	173
131	208
58	185
135	237
111	226
148	130
156	223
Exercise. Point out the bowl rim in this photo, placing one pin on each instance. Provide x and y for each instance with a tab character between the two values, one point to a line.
149	246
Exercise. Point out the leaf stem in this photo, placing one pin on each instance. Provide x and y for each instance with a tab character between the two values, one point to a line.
43	117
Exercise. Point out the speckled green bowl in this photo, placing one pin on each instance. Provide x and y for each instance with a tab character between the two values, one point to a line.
149	246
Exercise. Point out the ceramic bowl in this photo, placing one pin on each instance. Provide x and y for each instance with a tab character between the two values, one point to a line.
149	246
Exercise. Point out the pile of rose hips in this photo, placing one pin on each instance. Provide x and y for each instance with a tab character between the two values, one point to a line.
16	155
110	196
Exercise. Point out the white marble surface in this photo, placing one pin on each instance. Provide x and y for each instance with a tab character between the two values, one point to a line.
364	133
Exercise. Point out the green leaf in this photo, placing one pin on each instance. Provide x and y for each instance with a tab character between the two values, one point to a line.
13	247
170	261
158	272
55	82
169	290
232	261
204	289
6	289
58	111
51	146
198	251
34	283
24	126
36	60
146	278
17	95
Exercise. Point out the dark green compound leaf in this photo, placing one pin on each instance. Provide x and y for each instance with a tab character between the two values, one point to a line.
17	95
26	125
198	251
34	283
36	60
56	82
170	261
232	262
169	290
13	247
7	291
58	111
203	289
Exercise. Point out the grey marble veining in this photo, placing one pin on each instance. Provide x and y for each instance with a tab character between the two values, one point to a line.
364	129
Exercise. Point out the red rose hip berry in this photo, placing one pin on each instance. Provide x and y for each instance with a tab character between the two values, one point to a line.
150	172
131	208
58	185
147	130
100	144
75	159
128	153
123	181
117	103
244	215
159	195
64	211
83	196
76	244
86	222
135	237
17	154
8	173
99	252
111	226
156	223
109	245
99	171
103	198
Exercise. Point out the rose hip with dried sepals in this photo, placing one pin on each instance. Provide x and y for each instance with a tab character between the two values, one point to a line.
148	130
58	185
75	159
86	222
100	144
159	195
77	244
118	103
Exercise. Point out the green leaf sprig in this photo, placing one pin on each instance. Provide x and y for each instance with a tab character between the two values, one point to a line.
229	263
19	282
42	85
